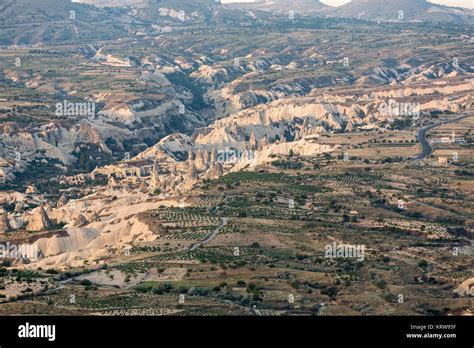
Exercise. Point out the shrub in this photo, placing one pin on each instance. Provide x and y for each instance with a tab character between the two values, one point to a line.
381	284
296	284
423	264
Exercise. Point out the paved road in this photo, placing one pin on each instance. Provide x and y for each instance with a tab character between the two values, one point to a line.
211	236
426	150
426	147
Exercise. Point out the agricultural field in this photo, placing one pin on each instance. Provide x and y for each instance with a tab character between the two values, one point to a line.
270	259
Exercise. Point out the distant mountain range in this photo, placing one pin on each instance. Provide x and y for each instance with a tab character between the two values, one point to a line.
373	10
112	3
31	11
402	10
283	6
40	21
35	21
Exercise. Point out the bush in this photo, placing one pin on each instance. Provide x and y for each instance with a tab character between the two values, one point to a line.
389	297
183	290
331	291
251	287
144	288
163	288
86	282
199	291
6	263
381	284
296	284
300	257
423	264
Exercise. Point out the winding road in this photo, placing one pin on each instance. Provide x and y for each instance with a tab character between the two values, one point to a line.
426	147
211	236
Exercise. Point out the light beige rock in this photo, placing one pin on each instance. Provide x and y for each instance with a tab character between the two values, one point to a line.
253	142
19	207
39	221
79	220
31	189
4	222
200	162
213	155
62	201
192	172
215	171
143	187
466	288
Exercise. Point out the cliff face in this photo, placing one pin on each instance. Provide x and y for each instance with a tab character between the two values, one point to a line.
294	119
19	147
275	117
39	221
4	222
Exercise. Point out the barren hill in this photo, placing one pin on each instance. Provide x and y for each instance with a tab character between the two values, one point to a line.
401	10
283	6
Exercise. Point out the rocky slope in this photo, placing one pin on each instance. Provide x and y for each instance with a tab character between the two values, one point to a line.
54	20
305	7
402	10
105	222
